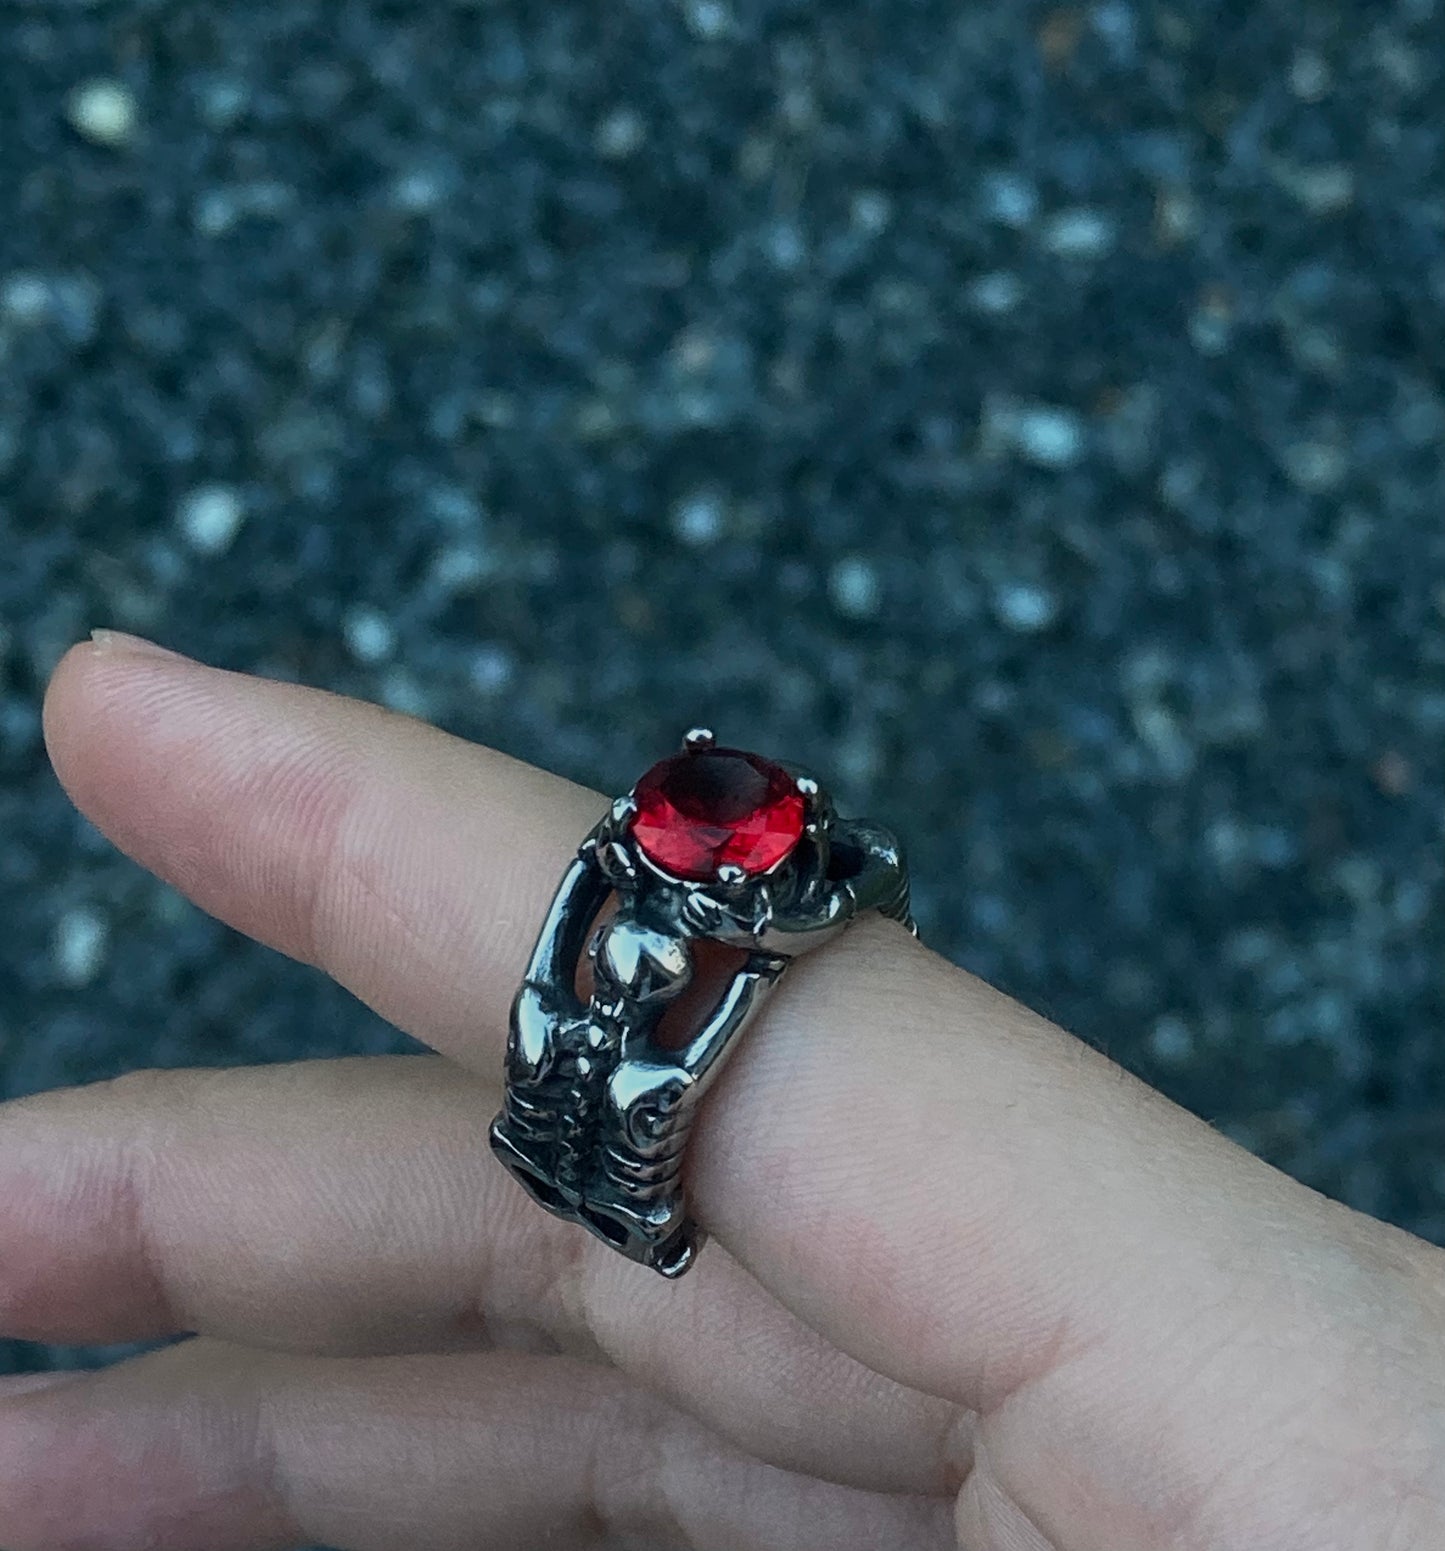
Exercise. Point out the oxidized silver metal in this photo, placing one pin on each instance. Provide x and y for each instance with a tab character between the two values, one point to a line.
596	1114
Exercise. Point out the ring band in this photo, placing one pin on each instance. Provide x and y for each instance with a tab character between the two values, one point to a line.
712	844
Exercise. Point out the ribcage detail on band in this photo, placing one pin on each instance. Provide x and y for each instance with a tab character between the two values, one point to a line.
530	1116
644	1179
570	1123
576	1129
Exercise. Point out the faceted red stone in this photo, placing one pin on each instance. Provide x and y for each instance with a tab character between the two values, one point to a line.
698	812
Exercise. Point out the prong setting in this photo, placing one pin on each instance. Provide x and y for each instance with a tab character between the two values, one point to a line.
696	739
616	862
817	814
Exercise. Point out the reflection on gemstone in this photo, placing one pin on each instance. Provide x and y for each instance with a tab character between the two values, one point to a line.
698	812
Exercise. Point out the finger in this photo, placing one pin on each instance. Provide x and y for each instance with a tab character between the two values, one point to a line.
960	1196
206	1444
407	864
354	1206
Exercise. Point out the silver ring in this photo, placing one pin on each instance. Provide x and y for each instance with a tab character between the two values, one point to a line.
712	844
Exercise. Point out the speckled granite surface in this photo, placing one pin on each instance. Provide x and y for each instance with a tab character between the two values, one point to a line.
1033	416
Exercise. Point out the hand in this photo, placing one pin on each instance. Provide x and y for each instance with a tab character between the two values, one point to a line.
982	1289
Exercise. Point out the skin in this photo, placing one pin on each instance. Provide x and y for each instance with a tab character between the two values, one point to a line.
985	1290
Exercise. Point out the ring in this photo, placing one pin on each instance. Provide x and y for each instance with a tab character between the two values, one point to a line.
711	845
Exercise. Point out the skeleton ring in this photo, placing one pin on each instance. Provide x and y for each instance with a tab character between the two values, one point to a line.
712	845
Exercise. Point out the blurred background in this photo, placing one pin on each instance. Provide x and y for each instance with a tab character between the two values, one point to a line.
1029	416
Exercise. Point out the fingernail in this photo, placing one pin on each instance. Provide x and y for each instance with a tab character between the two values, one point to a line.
116	642
12	1384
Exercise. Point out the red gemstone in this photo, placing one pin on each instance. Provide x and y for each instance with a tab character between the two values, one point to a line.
698	812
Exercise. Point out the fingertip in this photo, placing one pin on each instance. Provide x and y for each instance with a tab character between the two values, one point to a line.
125	721
83	688
66	683
70	718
